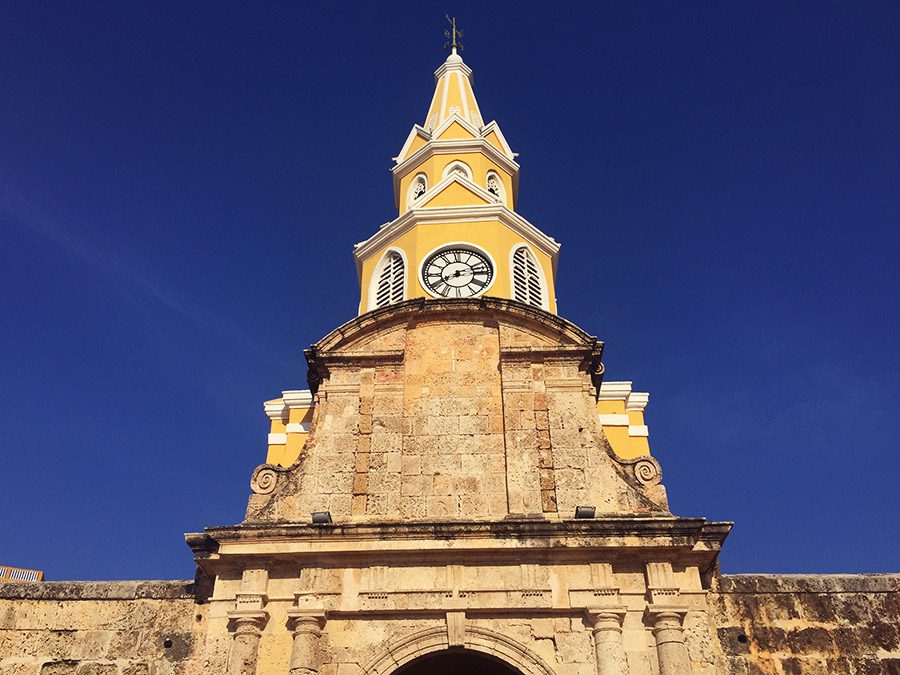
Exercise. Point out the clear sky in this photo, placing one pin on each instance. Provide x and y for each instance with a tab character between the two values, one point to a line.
181	185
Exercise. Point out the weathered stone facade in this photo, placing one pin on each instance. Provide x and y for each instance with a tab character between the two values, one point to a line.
451	443
794	624
102	628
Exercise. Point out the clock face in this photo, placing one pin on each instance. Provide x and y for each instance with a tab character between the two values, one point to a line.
457	273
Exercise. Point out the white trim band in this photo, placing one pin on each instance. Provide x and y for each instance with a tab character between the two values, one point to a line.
276	410
614	420
297	428
277	439
638	430
637	401
298	398
621	391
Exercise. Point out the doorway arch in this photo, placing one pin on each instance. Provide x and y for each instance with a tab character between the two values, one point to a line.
455	661
482	641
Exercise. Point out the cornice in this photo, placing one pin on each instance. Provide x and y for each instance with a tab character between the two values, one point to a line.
447	146
457	538
455	214
450	66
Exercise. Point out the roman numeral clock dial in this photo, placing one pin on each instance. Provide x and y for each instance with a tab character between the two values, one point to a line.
457	273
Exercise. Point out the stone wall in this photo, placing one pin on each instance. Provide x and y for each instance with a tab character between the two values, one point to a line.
455	409
101	628
807	624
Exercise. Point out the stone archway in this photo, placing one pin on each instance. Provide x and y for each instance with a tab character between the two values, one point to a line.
510	654
455	661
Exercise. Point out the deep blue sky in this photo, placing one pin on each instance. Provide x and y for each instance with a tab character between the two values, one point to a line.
181	185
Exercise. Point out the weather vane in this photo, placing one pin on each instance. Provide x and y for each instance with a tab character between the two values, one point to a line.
452	35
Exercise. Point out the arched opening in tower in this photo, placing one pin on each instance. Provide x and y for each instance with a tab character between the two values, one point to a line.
453	662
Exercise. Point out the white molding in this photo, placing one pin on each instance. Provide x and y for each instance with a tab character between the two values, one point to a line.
452	165
638	430
376	273
410	200
545	291
417	130
452	146
448	122
457	244
637	401
450	65
614	420
466	182
614	391
464	98
276	410
493	126
298	398
297	428
455	214
277	439
487	178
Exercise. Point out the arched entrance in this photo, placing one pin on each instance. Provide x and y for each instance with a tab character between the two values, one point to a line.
455	661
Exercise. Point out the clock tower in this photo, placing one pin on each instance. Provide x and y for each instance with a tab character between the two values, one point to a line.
457	233
458	488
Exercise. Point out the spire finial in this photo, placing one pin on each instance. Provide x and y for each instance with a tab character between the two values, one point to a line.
452	36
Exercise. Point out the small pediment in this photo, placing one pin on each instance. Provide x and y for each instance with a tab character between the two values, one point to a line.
455	190
455	127
418	137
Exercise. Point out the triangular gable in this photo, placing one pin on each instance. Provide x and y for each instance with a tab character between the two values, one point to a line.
418	136
455	191
455	127
495	137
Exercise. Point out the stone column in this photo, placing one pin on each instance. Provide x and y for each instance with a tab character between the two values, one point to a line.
306	652
606	624
245	648
669	633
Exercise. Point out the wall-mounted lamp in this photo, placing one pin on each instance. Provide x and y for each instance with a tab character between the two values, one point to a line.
321	518
585	511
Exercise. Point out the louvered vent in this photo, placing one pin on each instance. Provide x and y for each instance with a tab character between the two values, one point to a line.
526	278
390	281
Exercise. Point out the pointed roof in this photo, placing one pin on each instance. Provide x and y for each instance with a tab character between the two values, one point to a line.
453	94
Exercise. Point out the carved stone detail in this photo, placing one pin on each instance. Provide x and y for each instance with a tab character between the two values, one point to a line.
264	479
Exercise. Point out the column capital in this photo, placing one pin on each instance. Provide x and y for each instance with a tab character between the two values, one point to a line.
246	622
306	620
604	617
658	613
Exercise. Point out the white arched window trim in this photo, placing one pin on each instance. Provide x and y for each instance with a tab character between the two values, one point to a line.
395	280
458	166
414	193
540	278
501	195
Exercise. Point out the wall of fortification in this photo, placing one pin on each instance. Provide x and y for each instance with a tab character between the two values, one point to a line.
807	624
101	628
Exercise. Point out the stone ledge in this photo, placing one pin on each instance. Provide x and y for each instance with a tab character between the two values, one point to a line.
97	590
809	583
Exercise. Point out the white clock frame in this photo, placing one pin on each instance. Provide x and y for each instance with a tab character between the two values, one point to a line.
457	244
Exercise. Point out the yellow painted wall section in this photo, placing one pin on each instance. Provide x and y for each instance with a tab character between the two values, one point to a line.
456	194
494	140
455	131
418	143
453	97
625	446
491	236
286	454
433	168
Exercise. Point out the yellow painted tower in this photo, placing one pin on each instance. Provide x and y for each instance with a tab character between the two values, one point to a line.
457	233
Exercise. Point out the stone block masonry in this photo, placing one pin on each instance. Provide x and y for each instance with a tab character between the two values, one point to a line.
101	628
